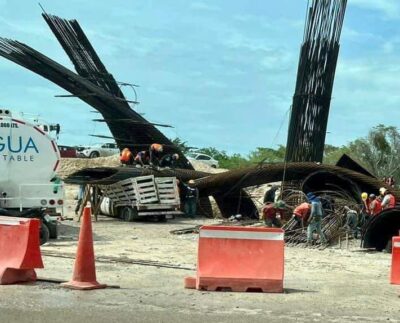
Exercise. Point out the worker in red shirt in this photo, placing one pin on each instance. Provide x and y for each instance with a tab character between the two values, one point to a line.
126	157
270	211
375	205
301	213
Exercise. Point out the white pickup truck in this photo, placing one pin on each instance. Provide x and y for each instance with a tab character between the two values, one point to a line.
99	150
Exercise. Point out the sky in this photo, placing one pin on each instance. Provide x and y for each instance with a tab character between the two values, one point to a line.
221	72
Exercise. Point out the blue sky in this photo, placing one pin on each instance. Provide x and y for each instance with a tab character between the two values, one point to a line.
221	72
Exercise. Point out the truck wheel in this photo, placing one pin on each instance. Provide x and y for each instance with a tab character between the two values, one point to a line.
129	214
52	227
44	233
161	218
94	154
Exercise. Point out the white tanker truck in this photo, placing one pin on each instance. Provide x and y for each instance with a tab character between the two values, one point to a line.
29	159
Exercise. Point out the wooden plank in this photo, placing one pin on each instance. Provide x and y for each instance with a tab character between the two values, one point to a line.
164	196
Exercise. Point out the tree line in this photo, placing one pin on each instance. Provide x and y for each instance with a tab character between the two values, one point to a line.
379	152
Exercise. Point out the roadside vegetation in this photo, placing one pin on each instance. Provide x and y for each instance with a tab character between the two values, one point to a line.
379	152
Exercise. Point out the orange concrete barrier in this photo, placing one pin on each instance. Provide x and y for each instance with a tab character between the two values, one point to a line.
240	259
19	249
395	270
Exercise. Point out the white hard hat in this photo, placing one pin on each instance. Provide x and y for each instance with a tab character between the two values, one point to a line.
382	190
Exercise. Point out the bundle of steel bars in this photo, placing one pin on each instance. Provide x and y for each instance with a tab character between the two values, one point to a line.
94	85
315	77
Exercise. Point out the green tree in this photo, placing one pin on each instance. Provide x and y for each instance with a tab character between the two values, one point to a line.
333	153
379	151
182	145
267	155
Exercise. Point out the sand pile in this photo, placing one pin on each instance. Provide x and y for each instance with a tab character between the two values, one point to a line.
71	165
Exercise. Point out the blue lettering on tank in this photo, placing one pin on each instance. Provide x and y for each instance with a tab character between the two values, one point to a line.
10	145
31	144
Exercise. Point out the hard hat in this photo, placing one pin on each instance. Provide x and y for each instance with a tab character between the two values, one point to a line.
372	196
382	190
191	181
364	196
175	156
311	197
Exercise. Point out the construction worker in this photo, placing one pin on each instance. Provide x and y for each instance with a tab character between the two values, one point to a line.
351	221
301	213
269	195
155	152
142	158
375	205
314	222
169	160
269	213
365	209
190	199
126	157
389	201
80	196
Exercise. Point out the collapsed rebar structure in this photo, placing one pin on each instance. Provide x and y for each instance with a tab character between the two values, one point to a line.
315	77
93	84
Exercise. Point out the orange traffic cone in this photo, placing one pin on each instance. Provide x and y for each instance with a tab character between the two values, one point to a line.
84	276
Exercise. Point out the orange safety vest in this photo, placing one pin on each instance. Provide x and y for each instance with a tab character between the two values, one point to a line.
126	155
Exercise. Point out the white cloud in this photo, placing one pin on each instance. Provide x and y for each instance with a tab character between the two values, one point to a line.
390	8
198	5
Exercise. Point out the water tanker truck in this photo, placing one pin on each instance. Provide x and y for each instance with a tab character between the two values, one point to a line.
29	159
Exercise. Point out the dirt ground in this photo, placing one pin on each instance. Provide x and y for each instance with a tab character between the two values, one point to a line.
332	285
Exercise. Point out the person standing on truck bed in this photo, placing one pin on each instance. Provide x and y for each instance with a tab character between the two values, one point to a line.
155	152
169	160
126	157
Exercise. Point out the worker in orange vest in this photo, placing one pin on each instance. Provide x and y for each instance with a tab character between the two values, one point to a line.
155	152
301	213
126	157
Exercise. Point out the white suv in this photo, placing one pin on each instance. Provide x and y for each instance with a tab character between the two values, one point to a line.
204	159
100	150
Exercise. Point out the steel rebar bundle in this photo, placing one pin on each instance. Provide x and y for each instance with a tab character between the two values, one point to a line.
222	184
314	84
82	54
94	85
